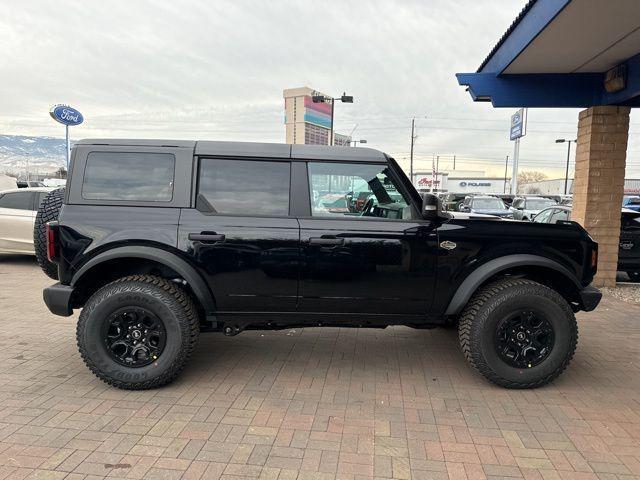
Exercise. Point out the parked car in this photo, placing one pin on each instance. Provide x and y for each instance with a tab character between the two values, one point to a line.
154	258
525	208
632	202
29	184
451	201
629	248
485	205
18	209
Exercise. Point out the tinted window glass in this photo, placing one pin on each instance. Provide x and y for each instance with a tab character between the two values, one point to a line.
355	190
245	187
143	177
559	215
17	200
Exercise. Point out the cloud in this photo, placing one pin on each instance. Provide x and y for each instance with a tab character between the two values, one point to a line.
216	70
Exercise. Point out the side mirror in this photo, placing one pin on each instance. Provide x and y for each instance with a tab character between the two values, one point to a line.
464	208
432	207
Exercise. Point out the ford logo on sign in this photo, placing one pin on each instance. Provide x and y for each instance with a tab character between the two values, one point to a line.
66	115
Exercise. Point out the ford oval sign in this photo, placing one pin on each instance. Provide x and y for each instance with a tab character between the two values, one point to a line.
66	115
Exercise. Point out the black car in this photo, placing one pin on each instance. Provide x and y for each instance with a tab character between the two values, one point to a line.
158	241
629	249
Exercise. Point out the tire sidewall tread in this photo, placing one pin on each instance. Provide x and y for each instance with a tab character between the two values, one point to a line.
162	297
482	314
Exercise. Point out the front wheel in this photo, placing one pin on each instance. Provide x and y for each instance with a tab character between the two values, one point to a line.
518	333
137	332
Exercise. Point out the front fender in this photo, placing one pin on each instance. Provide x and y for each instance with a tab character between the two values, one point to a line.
487	270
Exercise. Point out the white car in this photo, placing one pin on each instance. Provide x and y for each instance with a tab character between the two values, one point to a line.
18	210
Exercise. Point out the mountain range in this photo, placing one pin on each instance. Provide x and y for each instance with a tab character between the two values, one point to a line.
43	154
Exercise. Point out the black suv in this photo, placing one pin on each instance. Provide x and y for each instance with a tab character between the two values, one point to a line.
158	241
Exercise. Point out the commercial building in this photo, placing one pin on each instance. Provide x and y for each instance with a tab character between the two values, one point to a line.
459	182
306	122
556	187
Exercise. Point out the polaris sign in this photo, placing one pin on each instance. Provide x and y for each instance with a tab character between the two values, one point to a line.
66	115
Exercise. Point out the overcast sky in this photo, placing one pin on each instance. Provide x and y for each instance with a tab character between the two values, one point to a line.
216	70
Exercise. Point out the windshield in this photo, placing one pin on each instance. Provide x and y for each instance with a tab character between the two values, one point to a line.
539	203
488	204
632	200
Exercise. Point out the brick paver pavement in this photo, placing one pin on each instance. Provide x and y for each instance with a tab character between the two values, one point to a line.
312	404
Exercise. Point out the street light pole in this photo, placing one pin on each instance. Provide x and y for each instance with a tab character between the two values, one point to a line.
566	172
506	164
413	139
317	98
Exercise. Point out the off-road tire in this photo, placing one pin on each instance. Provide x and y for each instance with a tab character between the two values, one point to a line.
48	211
479	320
169	302
634	276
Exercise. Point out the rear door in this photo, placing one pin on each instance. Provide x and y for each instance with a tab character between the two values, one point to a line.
377	259
16	221
241	234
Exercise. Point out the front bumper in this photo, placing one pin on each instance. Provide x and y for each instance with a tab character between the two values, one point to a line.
57	297
590	297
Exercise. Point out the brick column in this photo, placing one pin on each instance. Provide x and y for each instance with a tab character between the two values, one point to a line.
598	184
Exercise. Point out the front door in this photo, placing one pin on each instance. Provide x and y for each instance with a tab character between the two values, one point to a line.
370	256
241	235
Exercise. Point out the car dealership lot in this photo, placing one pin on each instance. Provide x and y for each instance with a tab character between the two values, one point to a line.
312	403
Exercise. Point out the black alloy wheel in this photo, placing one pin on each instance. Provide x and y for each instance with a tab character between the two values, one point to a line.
134	337
524	339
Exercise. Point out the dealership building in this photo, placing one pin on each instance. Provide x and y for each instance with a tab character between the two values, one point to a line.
459	181
306	122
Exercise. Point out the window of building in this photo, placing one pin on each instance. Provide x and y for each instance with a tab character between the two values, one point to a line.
17	200
143	177
245	187
314	135
355	190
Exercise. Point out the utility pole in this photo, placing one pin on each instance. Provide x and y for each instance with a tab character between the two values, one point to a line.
333	104
413	139
506	164
454	162
437	168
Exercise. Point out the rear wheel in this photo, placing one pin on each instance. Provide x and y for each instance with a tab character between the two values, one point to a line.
48	211
518	333
138	332
634	276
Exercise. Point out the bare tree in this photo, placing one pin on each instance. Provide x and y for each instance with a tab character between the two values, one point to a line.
530	176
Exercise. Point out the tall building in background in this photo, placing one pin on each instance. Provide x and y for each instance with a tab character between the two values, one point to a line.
306	122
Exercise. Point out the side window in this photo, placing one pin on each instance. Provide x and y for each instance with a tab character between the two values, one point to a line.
559	214
143	177
355	190
17	200
518	203
543	216
245	187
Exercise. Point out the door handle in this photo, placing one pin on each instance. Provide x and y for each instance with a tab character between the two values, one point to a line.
326	241
206	237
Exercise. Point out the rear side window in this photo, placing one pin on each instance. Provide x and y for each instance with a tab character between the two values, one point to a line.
245	187
17	200
142	177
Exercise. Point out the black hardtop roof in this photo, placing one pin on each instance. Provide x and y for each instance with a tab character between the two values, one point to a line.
253	149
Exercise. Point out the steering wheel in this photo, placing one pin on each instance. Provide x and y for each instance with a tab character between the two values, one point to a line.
366	209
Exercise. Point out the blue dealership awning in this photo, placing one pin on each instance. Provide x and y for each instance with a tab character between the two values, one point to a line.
564	53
